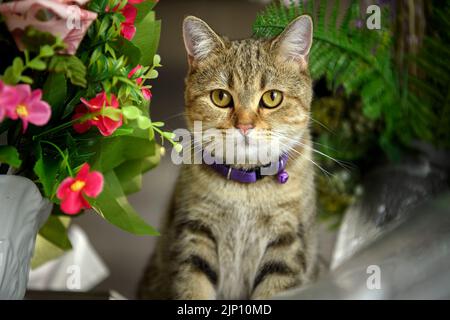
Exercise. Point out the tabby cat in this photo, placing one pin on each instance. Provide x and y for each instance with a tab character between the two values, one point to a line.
226	239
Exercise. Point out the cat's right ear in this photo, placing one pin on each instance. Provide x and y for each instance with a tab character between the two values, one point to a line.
199	39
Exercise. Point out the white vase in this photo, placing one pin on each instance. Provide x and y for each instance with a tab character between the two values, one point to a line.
23	211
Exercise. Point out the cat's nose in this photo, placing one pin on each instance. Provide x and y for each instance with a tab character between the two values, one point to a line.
244	128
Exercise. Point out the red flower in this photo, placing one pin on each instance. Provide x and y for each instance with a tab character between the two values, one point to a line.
127	28
105	124
71	191
145	92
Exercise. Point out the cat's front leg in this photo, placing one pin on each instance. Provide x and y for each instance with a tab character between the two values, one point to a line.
282	267
196	270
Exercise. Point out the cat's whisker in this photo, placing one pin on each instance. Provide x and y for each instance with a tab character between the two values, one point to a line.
291	149
342	164
320	124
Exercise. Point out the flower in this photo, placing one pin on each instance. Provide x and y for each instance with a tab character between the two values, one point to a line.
7	98
127	28
95	107
71	191
145	92
20	102
65	20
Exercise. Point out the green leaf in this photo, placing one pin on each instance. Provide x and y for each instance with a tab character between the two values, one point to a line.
46	51
73	68
130	173
11	77
123	132
157	60
178	147
112	113
129	50
113	206
37	64
10	156
144	122
56	233
153	74
17	66
113	151
72	103
55	92
143	8
158	124
46	169
98	6
147	37
169	135
26	79
131	112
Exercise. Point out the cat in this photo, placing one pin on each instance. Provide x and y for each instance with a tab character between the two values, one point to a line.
227	239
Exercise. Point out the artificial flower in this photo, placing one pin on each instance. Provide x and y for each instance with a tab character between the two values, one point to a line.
127	28
7	98
71	191
145	92
20	102
65	20
95	106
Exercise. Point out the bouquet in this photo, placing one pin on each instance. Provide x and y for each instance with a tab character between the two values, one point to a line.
74	105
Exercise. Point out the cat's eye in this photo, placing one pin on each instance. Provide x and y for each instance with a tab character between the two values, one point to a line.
271	99
221	98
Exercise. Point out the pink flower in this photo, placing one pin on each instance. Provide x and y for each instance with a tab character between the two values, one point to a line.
105	125
135	1
145	92
128	29
71	191
7	98
66	20
20	102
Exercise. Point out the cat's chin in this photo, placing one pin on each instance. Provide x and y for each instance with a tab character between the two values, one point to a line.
246	157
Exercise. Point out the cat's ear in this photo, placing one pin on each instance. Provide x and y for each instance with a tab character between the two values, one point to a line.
295	41
199	38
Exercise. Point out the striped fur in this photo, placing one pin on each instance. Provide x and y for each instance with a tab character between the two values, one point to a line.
227	240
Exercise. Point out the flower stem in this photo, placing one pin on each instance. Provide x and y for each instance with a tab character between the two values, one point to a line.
56	129
61	153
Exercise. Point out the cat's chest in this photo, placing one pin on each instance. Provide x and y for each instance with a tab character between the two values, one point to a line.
240	247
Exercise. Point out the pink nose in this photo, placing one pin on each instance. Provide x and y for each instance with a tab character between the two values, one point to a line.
244	128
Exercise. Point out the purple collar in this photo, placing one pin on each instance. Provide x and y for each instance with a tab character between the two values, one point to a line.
253	175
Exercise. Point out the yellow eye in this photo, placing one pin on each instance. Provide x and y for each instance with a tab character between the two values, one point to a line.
271	99
221	98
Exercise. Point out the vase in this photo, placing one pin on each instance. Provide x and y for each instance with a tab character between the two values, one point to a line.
23	211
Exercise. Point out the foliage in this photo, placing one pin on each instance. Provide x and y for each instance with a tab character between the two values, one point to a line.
50	153
373	104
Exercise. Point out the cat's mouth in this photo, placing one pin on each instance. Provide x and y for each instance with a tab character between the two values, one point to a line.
242	151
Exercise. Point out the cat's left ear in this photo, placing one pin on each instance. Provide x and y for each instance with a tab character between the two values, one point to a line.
295	41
